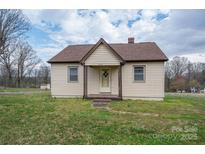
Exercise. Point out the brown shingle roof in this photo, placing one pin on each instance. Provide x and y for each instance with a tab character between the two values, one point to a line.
147	51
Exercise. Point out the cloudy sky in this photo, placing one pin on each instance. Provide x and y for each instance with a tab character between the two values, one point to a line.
177	32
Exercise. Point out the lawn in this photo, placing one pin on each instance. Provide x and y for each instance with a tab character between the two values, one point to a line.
40	119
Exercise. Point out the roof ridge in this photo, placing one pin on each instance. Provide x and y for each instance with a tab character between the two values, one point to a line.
110	44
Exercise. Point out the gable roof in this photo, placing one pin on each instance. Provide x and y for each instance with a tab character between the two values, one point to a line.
101	41
127	52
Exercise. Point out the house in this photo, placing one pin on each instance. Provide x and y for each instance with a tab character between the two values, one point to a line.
109	70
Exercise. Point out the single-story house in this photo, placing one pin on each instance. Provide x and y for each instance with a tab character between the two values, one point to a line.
109	70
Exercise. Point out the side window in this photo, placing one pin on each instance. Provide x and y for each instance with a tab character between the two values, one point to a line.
72	73
139	73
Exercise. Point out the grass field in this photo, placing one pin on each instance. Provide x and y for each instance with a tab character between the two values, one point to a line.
40	119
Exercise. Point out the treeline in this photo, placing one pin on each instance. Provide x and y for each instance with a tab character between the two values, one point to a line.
37	77
183	76
19	64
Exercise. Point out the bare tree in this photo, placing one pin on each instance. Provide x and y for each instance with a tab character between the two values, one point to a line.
36	79
179	84
13	25
7	62
3	76
168	75
180	73
25	60
173	69
196	72
44	74
178	66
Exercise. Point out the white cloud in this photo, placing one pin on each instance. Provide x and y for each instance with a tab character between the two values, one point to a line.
149	14
181	33
196	57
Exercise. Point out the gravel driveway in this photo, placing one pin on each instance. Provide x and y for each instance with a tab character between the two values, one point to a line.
20	93
187	94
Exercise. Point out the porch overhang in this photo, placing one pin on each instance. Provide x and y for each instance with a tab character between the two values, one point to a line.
104	64
85	85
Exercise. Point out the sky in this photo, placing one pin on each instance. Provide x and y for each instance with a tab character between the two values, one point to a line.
177	32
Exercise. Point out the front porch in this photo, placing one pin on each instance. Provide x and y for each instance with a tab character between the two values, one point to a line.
103	82
102	72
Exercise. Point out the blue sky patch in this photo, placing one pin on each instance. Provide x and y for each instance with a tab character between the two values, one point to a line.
161	16
117	23
37	36
131	22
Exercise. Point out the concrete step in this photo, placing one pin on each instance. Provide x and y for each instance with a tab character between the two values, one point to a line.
101	102
99	105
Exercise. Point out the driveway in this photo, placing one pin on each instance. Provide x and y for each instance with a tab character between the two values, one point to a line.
186	94
20	93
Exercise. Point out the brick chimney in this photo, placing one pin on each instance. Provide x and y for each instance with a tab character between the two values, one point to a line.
131	40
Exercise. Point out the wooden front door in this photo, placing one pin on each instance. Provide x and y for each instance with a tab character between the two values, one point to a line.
105	77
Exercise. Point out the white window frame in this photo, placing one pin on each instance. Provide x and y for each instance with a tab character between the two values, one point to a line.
144	73
68	74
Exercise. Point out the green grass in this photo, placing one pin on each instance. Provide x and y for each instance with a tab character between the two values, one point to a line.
40	119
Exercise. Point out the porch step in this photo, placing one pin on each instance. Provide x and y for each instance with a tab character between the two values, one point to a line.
105	93
101	102
100	96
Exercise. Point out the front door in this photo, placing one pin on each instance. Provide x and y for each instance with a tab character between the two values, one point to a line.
105	80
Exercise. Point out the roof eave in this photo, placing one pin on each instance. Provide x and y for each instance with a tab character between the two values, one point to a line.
154	60
145	60
62	62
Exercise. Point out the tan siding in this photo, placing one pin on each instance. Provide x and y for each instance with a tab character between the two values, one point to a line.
93	80
60	86
102	56
114	81
153	87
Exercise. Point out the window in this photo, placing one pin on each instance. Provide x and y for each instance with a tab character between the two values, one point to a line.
139	73
72	74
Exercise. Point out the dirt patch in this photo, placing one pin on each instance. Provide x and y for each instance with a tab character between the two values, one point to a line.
132	113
